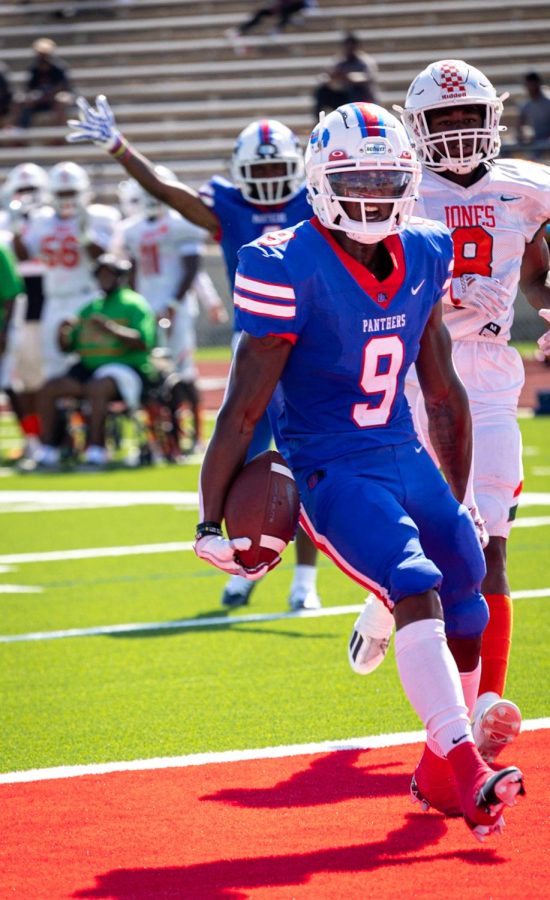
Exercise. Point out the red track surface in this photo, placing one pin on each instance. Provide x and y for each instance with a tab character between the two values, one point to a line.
331	826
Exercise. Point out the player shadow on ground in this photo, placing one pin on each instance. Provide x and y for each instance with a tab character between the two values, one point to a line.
329	779
172	629
232	879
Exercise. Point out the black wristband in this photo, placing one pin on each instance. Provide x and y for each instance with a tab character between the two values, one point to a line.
204	528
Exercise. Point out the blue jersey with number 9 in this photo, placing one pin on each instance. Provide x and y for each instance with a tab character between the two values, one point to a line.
354	336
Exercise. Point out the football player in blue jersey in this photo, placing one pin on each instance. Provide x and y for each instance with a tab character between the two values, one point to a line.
335	310
267	194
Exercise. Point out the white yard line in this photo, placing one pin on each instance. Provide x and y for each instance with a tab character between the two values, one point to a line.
44	501
371	742
95	553
211	622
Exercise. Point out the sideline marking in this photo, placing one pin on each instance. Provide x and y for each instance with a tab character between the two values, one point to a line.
46	501
207	622
95	552
371	742
21	589
169	547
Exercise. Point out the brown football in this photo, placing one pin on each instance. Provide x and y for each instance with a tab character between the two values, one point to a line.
263	504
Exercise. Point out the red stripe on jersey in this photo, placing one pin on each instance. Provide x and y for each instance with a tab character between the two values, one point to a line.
376	289
519	489
287	337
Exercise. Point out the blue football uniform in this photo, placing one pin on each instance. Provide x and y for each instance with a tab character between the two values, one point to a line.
241	222
372	498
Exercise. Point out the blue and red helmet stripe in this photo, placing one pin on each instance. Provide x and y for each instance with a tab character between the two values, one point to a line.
369	121
265	132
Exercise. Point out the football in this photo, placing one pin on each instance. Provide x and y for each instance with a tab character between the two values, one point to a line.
263	504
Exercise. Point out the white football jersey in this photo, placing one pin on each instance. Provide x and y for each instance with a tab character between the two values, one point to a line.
58	243
490	222
157	246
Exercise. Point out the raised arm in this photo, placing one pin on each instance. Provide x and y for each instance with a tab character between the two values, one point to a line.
450	423
98	124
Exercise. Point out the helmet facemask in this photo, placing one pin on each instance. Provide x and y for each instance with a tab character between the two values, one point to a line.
362	173
459	150
267	164
441	88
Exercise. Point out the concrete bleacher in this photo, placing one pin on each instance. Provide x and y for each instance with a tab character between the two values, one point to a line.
181	94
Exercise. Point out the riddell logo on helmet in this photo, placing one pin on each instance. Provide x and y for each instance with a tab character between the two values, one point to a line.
374	148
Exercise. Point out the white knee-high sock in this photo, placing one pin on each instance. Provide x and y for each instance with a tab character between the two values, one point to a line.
470	686
431	681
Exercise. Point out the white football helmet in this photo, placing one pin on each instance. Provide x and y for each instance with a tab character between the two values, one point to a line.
360	155
27	183
450	83
260	144
135	199
70	189
130	197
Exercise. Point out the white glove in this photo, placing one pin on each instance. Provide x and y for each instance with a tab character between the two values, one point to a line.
487	295
18	216
220	552
479	523
544	340
95	124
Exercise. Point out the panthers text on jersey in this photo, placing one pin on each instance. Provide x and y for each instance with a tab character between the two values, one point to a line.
157	246
491	222
242	222
354	336
58	242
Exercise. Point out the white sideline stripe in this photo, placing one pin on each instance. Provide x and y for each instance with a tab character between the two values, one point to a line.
36	501
20	589
178	623
372	742
95	552
531	522
216	621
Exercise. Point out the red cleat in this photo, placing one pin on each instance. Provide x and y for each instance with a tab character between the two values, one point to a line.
433	785
483	793
483	815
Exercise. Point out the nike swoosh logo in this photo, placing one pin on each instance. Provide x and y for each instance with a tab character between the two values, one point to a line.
418	449
458	740
415	290
507	199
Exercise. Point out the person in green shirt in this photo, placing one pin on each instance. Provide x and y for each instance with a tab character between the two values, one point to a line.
11	285
113	337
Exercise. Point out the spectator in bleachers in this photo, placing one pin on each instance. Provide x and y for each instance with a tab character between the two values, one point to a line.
352	77
285	12
113	337
534	116
48	88
6	96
